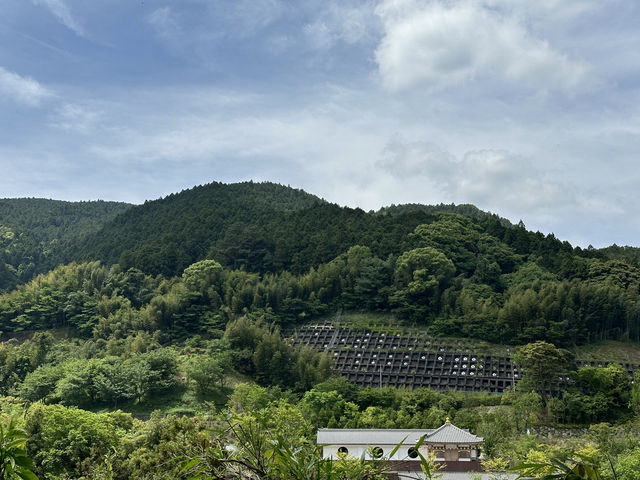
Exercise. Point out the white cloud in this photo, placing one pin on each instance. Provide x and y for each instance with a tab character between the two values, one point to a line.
340	23
409	159
62	12
494	179
204	26
23	90
547	11
436	45
74	117
509	181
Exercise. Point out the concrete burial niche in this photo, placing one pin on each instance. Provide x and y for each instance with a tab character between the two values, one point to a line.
374	359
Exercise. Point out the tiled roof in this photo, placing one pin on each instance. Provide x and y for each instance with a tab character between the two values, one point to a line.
448	433
348	436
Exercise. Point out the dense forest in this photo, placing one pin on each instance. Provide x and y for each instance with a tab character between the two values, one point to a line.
290	255
176	306
35	233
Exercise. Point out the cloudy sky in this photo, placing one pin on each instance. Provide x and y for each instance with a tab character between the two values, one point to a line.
526	109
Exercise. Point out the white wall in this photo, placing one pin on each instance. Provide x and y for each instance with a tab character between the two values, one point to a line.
331	451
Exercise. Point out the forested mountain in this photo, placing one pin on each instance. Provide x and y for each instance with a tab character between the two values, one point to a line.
34	232
464	209
260	227
288	255
630	255
178	303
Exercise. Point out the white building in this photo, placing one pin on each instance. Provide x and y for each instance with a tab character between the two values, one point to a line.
456	448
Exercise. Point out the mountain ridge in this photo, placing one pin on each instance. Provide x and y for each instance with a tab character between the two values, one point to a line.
257	226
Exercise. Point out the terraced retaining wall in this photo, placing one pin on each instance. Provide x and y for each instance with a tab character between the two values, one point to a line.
374	359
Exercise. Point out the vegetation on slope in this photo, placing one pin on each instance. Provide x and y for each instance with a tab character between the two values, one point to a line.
260	227
185	308
34	233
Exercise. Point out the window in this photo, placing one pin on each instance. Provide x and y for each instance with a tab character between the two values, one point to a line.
377	452
342	451
464	455
412	452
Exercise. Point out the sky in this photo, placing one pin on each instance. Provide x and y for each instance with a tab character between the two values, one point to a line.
530	110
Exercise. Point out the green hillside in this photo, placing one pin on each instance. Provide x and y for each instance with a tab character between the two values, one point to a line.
177	306
293	255
35	232
261	227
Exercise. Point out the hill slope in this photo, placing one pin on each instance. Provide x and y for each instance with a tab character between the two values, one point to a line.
34	232
262	227
472	276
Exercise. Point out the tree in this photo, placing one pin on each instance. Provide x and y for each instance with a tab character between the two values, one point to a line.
542	363
420	276
635	394
262	451
162	365
113	382
328	409
608	389
77	386
14	461
526	407
208	371
41	383
69	441
566	467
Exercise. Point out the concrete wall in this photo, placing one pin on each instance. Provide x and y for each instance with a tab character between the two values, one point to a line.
331	451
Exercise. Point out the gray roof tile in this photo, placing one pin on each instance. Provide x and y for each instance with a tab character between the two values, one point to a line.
350	436
448	433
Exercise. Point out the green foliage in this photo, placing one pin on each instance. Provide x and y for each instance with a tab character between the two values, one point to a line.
208	372
35	233
41	383
69	441
160	446
609	387
420	276
628	465
634	403
571	467
527	408
195	289
263	450
328	409
15	463
463	272
260	351
542	363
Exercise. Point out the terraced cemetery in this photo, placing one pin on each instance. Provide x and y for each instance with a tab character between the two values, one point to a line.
367	357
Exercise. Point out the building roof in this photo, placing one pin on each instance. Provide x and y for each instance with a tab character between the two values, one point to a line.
351	436
447	433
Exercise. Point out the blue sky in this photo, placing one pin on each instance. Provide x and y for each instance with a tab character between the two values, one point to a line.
527	109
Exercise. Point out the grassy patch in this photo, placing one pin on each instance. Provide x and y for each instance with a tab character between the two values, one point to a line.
609	351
